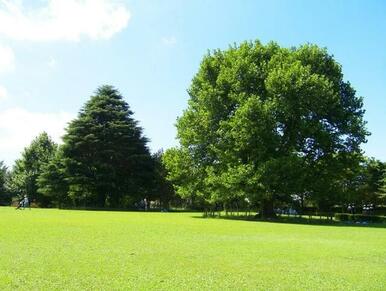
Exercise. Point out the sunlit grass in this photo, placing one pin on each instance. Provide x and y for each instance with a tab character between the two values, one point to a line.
86	250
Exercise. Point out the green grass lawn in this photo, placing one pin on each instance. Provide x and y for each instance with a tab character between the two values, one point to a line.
45	249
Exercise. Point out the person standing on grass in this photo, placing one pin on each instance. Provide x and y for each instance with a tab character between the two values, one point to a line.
26	202
21	204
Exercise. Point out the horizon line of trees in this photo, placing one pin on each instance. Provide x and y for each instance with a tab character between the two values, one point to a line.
265	127
103	162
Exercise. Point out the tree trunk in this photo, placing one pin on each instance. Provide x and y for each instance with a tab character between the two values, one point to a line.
266	210
225	208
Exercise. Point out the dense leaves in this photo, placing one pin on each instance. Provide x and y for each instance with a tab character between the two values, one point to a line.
52	181
265	127
106	159
4	195
24	175
162	189
372	182
266	123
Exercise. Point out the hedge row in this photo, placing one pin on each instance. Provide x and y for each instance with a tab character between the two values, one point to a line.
359	217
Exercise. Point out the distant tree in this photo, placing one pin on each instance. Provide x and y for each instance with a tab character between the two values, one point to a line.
23	177
162	188
5	197
372	181
186	177
105	154
266	123
382	192
52	182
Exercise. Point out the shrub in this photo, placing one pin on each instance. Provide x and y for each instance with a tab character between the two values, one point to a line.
359	218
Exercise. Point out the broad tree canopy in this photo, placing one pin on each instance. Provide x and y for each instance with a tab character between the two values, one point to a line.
264	123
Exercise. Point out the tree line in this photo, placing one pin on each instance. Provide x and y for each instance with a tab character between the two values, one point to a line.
104	161
265	127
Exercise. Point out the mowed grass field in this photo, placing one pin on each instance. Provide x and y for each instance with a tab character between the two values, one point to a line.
48	249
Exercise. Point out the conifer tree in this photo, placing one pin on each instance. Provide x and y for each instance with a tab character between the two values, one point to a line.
105	153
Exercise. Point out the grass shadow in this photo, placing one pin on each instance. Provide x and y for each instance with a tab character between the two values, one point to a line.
128	209
304	220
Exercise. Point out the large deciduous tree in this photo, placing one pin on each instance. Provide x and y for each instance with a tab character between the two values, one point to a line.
264	123
105	154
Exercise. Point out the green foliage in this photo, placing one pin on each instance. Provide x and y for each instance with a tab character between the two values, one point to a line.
372	181
52	182
113	250
364	183
264	123
24	175
162	189
106	159
187	177
5	197
360	218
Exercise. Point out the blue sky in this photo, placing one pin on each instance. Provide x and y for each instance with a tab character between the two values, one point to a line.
54	54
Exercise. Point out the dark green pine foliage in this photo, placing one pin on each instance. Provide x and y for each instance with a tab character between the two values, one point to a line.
105	154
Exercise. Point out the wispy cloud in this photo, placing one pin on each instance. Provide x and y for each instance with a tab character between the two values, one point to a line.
169	40
3	93
7	59
63	20
7	64
19	126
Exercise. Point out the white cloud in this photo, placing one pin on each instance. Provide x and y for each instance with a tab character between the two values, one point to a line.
68	20
169	41
3	93
7	58
18	127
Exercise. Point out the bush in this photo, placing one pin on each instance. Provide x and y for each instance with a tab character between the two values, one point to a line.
342	216
380	210
359	218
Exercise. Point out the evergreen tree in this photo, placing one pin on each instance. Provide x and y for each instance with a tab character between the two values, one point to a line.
105	154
